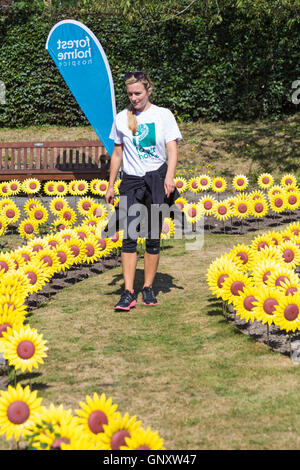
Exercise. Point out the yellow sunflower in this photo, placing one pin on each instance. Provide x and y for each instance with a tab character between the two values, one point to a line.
57	204
293	200
36	275
102	187
218	184
65	256
259	208
94	413
49	257
168	228
14	283
81	187
242	255
240	182
49	188
92	249
4	189
77	248
290	253
55	435
28	229
31	186
267	300
289	287
260	242
242	208
288	180
14	186
81	231
181	202
142	439
117	239
18	408
68	216
61	188
265	181
117	430
222	210
180	184
245	303
30	204
25	254
219	270
12	213
94	186
84	205
275	238
193	185
14	305
6	263
23	348
39	214
234	285
282	275
204	182
193	212
106	246
37	244
275	190
288	312
10	319
4	202
262	269
98	210
277	203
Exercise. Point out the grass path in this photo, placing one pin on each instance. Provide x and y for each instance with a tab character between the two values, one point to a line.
180	366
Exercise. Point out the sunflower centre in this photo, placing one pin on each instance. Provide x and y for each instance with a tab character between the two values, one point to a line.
18	412
25	349
118	439
96	420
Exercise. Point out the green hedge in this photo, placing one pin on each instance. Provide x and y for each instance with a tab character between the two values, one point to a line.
224	72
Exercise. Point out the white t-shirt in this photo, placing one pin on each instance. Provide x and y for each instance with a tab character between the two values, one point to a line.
145	151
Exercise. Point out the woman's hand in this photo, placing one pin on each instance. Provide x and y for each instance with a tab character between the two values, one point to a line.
109	196
169	185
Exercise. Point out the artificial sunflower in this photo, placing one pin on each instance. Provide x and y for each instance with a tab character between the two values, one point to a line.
14	186
36	275
204	182
84	205
4	189
275	190
277	203
92	249
281	275
288	180
181	202
290	253
10	319
234	285
4	202
267	300
68	216
193	185
102	187
12	213
37	244
106	246
289	287
180	184
265	181
275	238
208	203
31	186
18	408
240	182
30	204
294	228
49	188
39	214
142	439
23	348
222	210
193	212
61	188
218	184
26	254
14	282
94	413
81	231
245	303
98	210
28	228
113	437
94	186
6	263
292	200
242	208
219	270
168	228
117	239
288	312
259	208
77	248
65	256
48	256
81	187
242	255
55	435
57	204
12	304
260	242
262	269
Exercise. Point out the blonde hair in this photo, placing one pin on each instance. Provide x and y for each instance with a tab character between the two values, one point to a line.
131	113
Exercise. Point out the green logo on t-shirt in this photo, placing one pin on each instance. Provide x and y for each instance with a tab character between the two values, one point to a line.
145	141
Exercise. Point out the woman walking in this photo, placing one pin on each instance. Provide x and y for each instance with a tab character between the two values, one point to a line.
142	134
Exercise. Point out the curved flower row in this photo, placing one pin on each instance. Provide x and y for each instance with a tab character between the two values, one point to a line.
260	279
95	425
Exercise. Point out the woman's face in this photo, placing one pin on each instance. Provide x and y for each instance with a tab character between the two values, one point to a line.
139	96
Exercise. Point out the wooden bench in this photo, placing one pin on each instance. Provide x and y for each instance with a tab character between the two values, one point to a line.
62	160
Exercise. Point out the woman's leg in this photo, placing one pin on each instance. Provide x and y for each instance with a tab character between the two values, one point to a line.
129	261
150	268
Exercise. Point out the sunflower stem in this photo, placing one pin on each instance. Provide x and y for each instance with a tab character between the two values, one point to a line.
268	335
